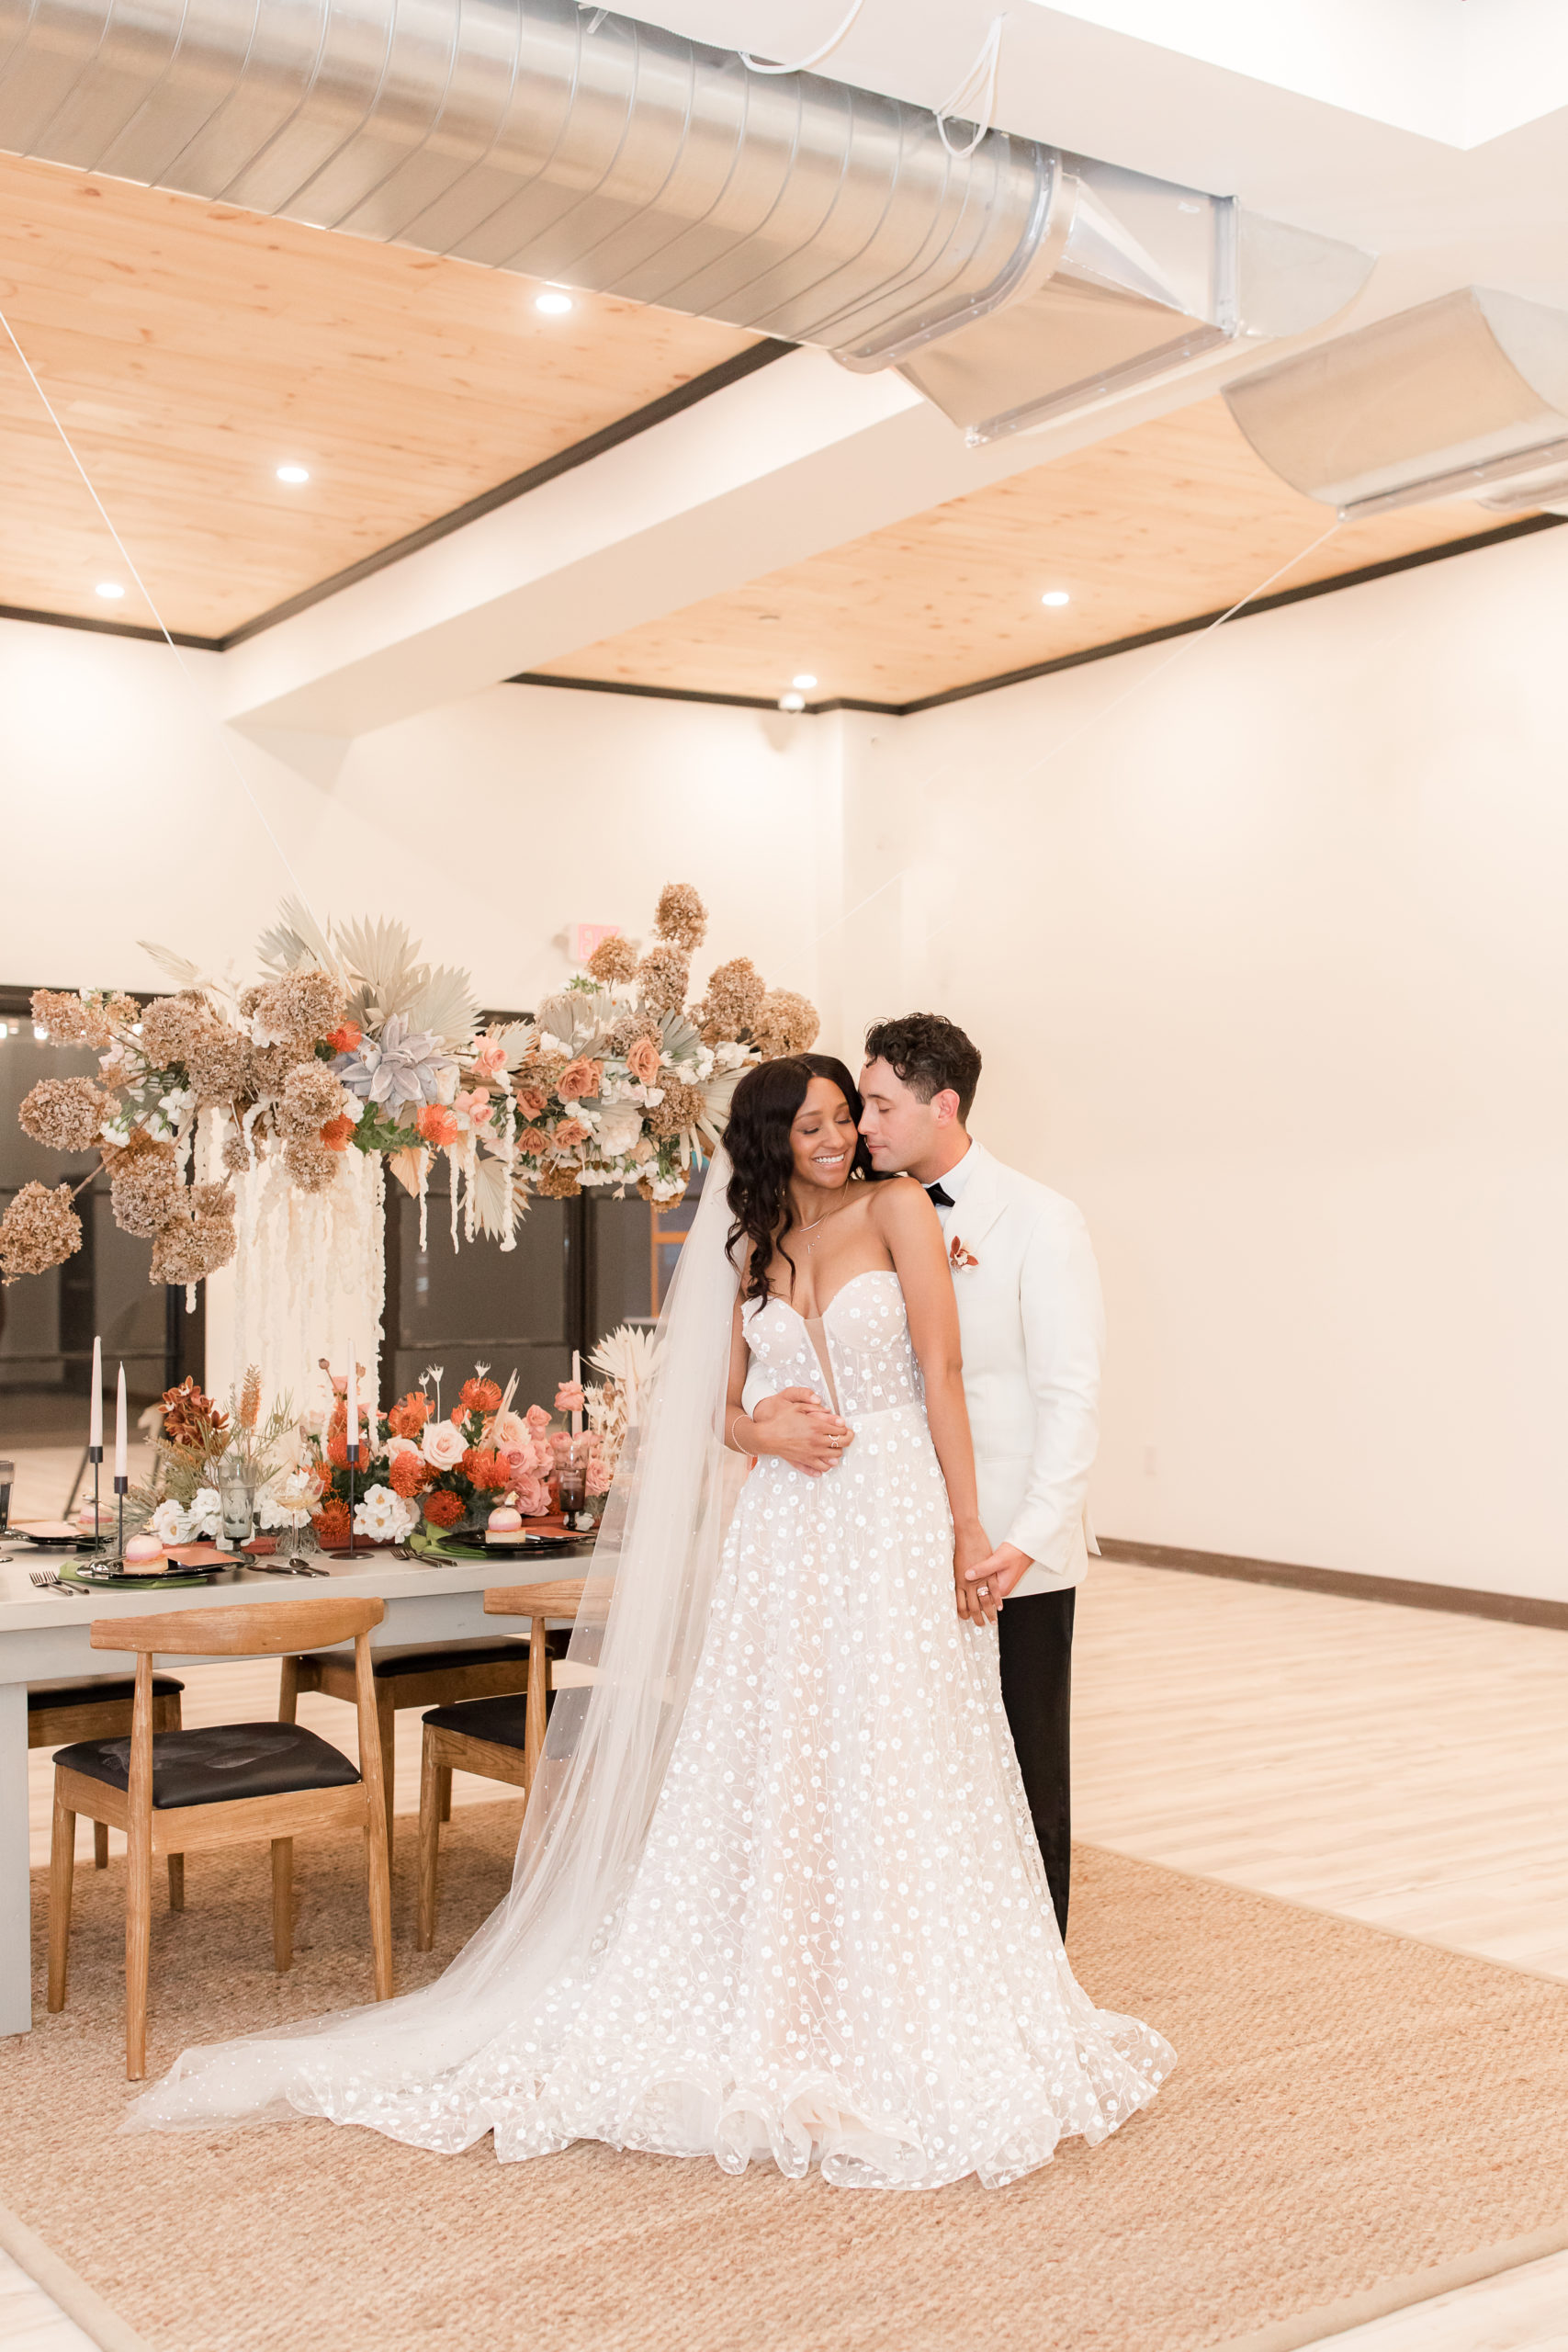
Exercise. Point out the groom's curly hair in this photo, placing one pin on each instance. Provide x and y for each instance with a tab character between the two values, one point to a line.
930	1054
761	1113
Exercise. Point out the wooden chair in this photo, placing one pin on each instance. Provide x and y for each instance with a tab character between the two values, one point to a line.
502	1737
174	1791
97	1706
423	1675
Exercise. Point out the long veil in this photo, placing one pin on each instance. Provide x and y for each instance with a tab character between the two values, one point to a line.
634	1652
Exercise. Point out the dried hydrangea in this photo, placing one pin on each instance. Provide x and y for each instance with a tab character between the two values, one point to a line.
212	1200
614	959
83	1020
541	1073
661	977
734	1001
624	1032
682	1104
310	1164
681	917
171	1027
557	1184
311	1096
785	1023
65	1113
189	1249
268	1068
39	1229
237	1156
144	1185
299	1008
218	1063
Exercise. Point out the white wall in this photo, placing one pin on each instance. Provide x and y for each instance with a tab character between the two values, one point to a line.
1270	971
1267	958
488	825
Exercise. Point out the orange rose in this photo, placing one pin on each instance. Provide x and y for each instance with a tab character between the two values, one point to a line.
569	1135
531	1101
579	1077
643	1061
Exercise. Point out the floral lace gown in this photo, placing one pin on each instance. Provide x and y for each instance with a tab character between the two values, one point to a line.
839	1946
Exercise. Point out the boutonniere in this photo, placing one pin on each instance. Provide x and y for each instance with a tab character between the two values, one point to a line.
958	1256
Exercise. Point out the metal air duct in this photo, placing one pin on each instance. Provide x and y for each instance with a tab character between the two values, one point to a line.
1441	401
602	153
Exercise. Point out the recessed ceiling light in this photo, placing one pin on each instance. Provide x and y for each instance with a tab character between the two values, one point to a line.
293	473
791	702
1055	597
554	306
111	589
804	679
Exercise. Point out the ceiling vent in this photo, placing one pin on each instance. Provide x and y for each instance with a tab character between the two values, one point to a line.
1466	396
1008	280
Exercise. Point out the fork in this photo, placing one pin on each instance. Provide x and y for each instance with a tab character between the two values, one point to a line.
50	1580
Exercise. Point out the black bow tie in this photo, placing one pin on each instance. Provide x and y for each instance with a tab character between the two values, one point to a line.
938	1198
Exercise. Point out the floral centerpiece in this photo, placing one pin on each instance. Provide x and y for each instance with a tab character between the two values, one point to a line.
353	1044
198	1446
451	1472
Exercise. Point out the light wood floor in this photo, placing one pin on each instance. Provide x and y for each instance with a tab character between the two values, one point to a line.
1390	1764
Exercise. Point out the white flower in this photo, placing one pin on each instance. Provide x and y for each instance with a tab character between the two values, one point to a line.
728	1055
395	1445
384	1517
443	1445
116	1131
170	1524
619	1127
204	1513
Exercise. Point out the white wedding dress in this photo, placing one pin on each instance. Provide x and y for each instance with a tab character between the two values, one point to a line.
836	1943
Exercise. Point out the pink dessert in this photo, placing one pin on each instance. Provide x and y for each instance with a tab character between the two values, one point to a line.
504	1525
143	1552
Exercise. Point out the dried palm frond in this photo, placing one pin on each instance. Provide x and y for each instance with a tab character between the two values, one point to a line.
383	957
442	1002
515	1037
627	1355
296	938
498	1199
180	969
679	1042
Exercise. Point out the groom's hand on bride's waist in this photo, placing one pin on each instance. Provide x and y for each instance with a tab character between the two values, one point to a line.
797	1427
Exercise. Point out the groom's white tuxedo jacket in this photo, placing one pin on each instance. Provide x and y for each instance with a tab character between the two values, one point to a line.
1032	1325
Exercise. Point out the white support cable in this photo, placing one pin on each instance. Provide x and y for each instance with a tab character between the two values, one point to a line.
804	64
147	597
981	80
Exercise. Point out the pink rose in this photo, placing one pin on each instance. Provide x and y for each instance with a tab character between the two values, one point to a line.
569	1398
598	1481
579	1077
643	1061
537	1419
533	1497
490	1059
442	1446
569	1135
509	1433
531	1101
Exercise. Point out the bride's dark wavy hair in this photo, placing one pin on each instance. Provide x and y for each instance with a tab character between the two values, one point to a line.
761	1114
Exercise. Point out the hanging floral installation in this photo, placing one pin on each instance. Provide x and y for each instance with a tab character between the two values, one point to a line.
353	1044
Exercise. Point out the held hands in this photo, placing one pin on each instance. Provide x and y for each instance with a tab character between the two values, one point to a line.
978	1597
997	1571
797	1427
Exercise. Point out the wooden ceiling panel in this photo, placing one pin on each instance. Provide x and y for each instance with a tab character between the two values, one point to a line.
190	349
1143	530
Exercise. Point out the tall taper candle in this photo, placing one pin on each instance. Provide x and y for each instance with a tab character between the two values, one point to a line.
577	1383
96	1404
119	1426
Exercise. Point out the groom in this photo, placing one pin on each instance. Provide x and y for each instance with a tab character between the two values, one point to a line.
1032	1328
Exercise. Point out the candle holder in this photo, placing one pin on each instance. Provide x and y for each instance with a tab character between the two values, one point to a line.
121	1489
352	1453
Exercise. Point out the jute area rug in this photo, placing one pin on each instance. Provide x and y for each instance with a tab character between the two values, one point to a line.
1348	2108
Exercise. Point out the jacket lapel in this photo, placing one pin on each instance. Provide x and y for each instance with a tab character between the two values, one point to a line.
985	1198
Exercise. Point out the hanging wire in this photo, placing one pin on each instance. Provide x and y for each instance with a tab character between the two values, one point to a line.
981	81
804	64
229	753
1186	647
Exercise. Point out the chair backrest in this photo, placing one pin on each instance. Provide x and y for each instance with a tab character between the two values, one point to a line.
264	1629
563	1599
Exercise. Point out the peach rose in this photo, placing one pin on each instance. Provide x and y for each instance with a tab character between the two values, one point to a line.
490	1059
598	1481
538	1420
569	1135
531	1101
569	1398
579	1077
442	1446
510	1430
643	1061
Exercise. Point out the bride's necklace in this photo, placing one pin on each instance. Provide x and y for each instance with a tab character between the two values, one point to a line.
816	1221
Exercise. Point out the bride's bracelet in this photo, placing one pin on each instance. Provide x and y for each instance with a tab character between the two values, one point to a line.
734	1417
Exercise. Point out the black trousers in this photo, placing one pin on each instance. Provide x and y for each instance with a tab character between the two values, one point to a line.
1035	1636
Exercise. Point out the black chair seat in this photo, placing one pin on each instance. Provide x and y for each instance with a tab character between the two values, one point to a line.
503	1721
218	1763
95	1691
420	1657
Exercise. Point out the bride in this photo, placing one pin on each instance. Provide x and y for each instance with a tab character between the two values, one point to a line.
778	1894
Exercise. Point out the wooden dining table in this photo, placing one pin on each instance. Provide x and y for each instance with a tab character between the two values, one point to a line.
44	1634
